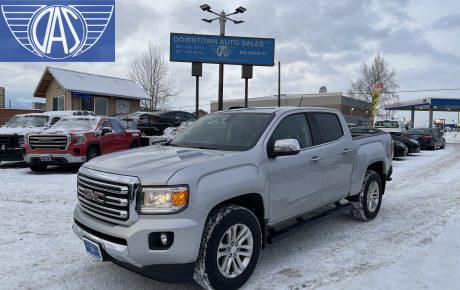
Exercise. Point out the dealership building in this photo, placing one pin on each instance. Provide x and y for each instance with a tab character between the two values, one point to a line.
355	111
71	90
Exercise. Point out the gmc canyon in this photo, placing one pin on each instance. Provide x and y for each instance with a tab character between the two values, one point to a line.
204	204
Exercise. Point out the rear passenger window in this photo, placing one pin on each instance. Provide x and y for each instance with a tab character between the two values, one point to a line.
294	127
329	127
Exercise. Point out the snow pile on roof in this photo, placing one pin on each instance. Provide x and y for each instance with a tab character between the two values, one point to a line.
97	84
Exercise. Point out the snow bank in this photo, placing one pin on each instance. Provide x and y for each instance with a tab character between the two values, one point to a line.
452	137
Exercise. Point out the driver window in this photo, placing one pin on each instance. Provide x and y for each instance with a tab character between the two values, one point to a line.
294	127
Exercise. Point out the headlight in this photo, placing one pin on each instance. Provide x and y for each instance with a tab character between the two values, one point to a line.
79	139
157	200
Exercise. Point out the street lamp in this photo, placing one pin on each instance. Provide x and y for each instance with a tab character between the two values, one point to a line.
222	17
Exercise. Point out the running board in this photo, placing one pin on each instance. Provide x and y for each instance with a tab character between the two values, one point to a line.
300	221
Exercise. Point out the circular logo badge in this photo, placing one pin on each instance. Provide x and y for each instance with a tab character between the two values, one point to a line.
57	32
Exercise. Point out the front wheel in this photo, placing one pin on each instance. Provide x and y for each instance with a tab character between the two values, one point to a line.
435	146
92	153
367	204
230	248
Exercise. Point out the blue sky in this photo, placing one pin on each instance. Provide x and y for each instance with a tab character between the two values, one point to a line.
318	42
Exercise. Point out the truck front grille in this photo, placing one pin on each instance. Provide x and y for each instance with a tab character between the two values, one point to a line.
48	142
7	141
104	199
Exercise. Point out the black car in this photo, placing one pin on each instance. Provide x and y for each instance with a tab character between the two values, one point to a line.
428	137
400	149
154	123
412	145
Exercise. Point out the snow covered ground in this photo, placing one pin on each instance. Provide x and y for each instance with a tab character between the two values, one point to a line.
414	242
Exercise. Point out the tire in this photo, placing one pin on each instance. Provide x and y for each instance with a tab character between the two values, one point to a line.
443	145
133	145
435	146
217	233
362	209
38	168
93	152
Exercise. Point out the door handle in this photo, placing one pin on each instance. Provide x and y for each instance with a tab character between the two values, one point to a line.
315	159
346	151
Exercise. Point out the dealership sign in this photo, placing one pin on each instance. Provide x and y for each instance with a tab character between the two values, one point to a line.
67	30
222	49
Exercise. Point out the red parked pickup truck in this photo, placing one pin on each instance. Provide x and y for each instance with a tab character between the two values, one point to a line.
75	140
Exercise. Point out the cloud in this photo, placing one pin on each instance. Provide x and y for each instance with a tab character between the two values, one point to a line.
319	42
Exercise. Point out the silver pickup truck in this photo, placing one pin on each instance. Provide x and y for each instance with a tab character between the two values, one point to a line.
204	204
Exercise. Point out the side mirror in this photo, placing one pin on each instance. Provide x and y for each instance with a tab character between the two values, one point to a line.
106	130
285	147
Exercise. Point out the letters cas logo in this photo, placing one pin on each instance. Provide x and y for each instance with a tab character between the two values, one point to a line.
58	30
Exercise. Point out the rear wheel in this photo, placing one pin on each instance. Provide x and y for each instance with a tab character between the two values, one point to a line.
133	145
230	248
367	204
92	153
38	168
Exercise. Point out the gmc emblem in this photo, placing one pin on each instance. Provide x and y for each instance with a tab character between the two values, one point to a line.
92	195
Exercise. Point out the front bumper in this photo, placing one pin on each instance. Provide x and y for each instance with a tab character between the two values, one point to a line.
56	159
130	244
11	154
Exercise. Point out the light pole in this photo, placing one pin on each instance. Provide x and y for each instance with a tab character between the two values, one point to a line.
222	17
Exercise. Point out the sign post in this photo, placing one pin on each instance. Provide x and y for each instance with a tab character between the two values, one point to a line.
246	73
197	71
375	95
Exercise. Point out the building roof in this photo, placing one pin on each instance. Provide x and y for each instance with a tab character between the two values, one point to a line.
436	104
90	84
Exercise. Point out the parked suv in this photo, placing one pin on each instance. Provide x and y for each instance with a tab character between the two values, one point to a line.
154	123
206	203
12	133
75	140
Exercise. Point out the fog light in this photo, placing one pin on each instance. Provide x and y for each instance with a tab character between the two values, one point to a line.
161	240
164	239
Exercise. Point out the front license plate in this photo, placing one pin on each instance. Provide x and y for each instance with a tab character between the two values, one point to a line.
93	249
45	158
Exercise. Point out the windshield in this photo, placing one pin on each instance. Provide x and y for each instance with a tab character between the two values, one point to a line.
76	124
386	124
224	131
27	122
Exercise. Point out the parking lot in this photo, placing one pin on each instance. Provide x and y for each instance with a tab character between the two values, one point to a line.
415	240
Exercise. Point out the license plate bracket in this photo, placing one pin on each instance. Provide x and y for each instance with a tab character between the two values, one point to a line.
45	158
93	248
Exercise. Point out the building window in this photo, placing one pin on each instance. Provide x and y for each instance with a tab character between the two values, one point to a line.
101	106
122	107
58	103
87	104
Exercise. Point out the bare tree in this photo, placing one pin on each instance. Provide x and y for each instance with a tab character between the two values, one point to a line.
378	71
150	70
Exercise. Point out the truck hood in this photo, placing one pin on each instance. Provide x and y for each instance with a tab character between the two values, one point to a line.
19	130
153	165
63	132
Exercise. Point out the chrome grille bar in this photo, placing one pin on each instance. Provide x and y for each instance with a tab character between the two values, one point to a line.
104	199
